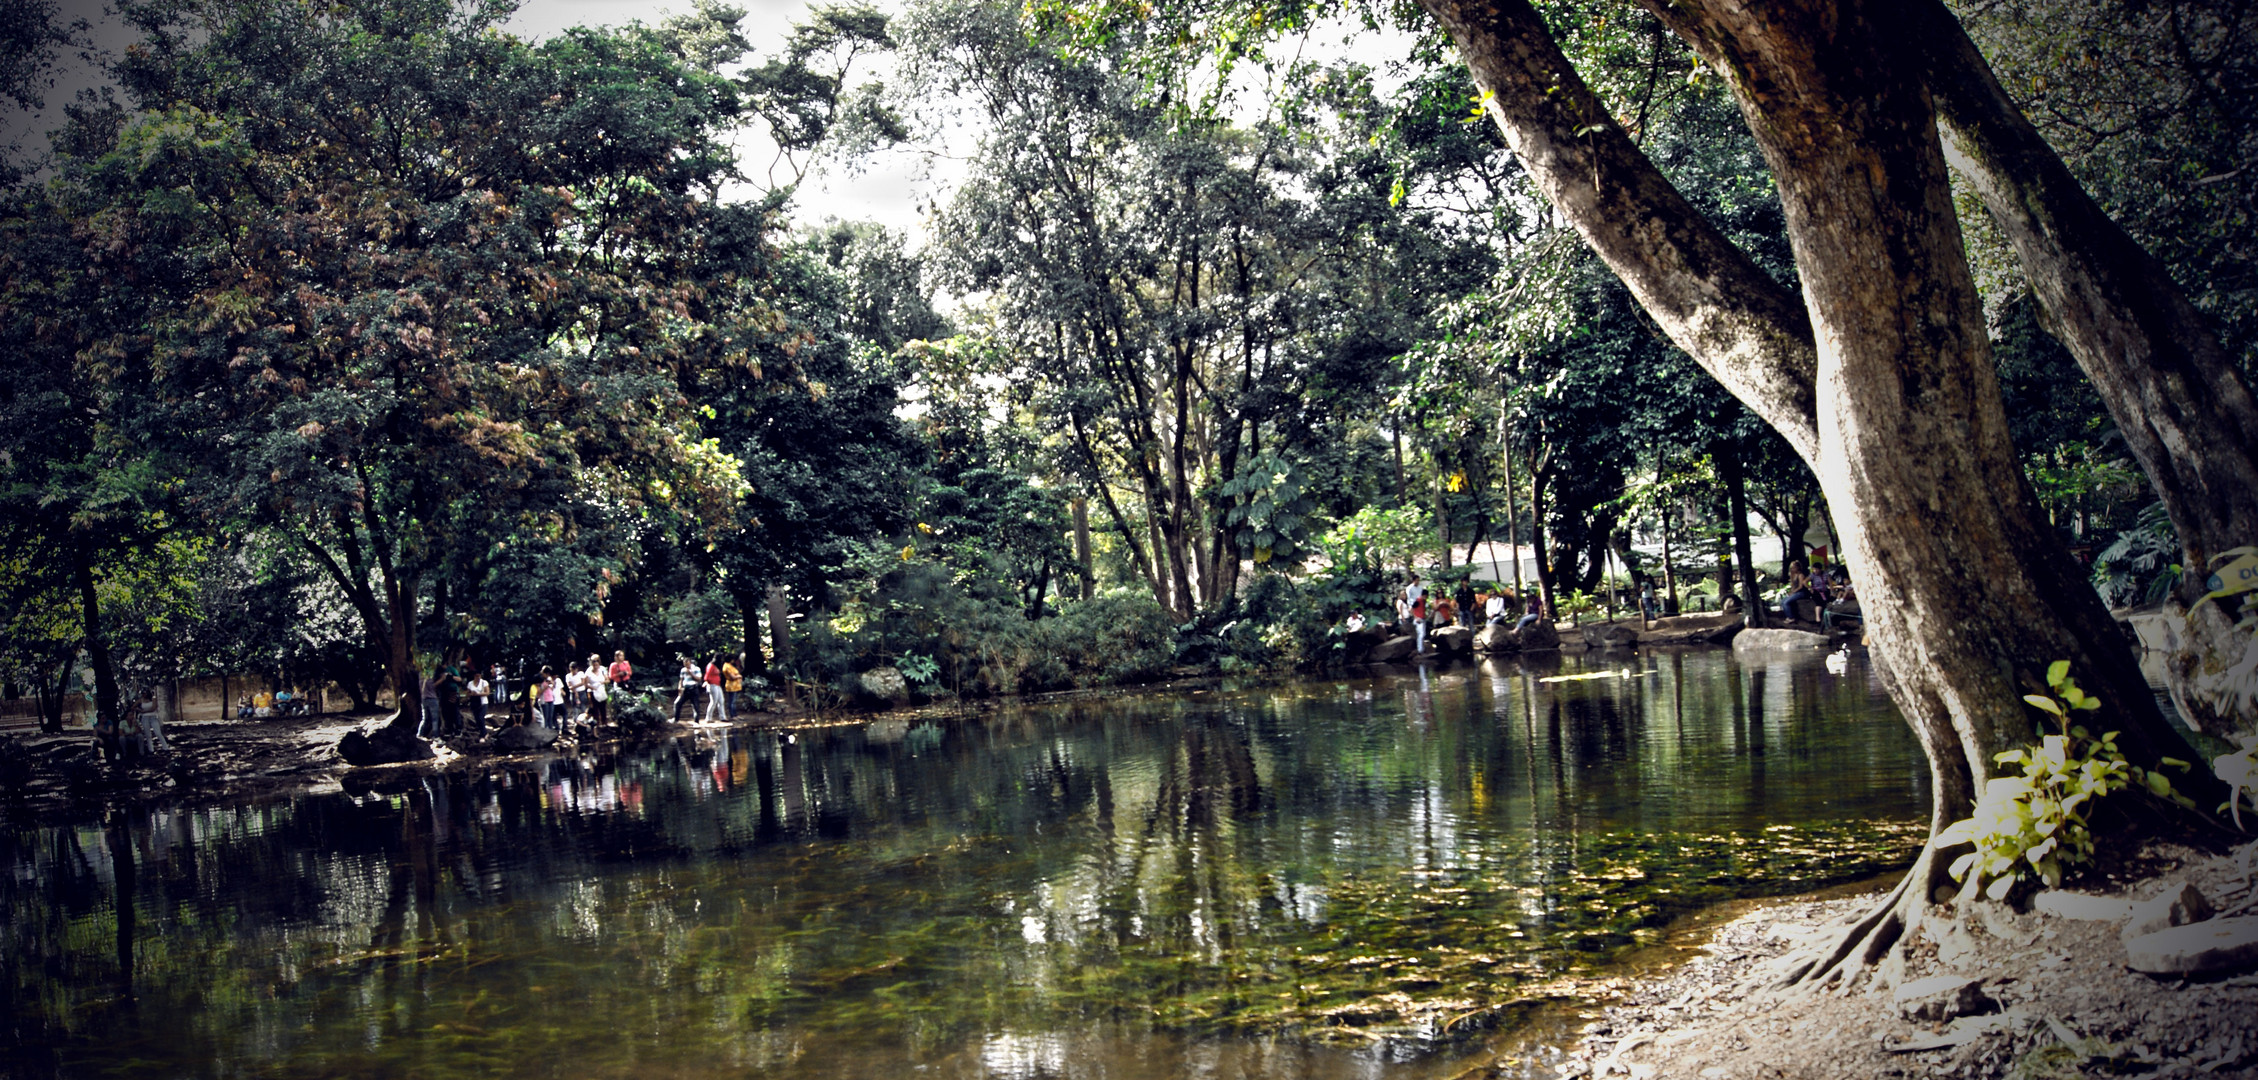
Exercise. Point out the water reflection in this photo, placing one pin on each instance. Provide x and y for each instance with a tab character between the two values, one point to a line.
1320	879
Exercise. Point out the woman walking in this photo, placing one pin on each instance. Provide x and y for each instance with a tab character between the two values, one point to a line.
717	706
686	688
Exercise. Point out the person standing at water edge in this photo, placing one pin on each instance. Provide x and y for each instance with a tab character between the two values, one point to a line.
732	684
450	688
1415	600
501	692
686	682
481	696
552	694
717	706
599	689
622	673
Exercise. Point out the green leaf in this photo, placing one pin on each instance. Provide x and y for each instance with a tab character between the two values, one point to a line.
2056	672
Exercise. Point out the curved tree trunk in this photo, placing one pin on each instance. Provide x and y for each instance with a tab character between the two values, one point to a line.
2174	392
1968	591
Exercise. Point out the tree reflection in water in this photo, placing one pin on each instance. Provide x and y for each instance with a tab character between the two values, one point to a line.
1246	874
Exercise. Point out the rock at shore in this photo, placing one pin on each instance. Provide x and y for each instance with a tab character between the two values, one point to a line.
1452	639
523	737
1496	638
1610	635
886	685
1771	640
1712	629
1357	645
1539	636
2215	947
386	745
1392	650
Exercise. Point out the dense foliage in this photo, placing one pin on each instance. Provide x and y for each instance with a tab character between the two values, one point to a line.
348	335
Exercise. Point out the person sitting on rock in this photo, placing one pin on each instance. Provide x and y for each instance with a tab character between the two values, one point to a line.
1494	608
1799	588
1533	610
1355	622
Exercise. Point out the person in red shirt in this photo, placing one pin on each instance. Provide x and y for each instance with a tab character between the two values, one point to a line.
716	707
622	672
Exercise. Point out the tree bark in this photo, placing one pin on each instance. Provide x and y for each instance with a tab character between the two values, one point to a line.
1968	591
1744	560
1082	547
1710	299
2183	409
97	643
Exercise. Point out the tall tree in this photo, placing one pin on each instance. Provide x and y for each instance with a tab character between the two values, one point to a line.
1913	429
417	281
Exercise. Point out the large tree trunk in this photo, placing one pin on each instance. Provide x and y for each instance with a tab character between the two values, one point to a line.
1969	593
1744	560
400	659
2185	413
1082	558
106	704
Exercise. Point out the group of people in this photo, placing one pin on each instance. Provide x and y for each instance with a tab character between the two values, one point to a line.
283	702
1466	607
458	699
717	685
1828	590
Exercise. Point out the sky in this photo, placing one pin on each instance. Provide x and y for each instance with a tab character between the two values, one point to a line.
887	188
892	187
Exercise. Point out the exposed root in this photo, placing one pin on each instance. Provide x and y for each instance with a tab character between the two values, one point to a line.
1845	956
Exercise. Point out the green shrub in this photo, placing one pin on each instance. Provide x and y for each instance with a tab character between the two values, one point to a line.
2035	824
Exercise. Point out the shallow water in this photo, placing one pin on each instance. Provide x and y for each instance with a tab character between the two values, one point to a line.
1330	878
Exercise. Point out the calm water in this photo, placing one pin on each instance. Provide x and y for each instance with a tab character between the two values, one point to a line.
1329	878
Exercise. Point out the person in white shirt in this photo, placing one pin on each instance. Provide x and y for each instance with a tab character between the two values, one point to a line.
1416	598
599	689
576	690
1494	611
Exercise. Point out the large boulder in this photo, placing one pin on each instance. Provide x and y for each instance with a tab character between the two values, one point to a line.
1710	629
522	737
1357	645
1391	650
386	745
1539	636
1495	638
1609	635
885	685
1452	639
1776	640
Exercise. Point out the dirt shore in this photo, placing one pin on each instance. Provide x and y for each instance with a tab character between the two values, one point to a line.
2057	999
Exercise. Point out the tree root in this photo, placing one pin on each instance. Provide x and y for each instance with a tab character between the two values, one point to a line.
1849	954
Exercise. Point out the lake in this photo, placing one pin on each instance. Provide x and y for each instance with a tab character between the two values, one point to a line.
1348	877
